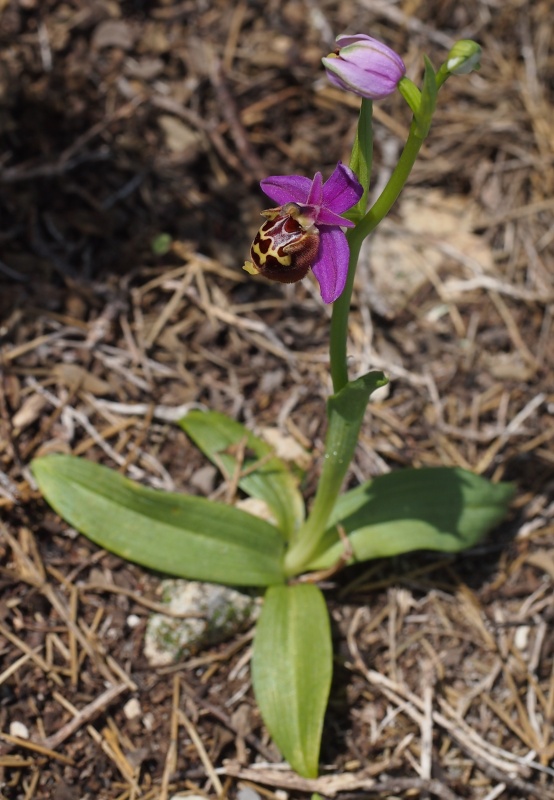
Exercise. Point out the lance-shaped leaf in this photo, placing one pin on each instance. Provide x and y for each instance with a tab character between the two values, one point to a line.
291	671
231	446
424	115
445	509
190	537
362	156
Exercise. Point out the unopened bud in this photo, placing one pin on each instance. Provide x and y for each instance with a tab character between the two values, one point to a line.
464	57
365	66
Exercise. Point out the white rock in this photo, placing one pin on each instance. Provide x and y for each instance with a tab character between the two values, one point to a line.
132	708
132	621
148	720
521	637
247	793
19	729
223	611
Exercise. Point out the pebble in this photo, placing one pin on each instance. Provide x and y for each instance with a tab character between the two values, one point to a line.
521	637
204	479
132	708
148	721
19	729
247	793
223	611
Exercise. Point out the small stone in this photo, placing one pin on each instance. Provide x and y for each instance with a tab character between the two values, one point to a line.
148	721
132	621
19	729
132	708
247	793
222	613
521	637
204	479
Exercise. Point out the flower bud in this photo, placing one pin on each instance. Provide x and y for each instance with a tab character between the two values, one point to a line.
365	66
464	57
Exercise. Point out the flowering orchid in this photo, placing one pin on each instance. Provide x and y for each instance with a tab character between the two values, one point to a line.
305	230
365	66
205	540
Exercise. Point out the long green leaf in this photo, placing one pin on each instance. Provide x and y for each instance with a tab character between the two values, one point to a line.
219	437
361	158
291	671
414	509
174	533
424	116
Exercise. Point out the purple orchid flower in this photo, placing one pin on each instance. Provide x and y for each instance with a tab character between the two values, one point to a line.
365	66
305	230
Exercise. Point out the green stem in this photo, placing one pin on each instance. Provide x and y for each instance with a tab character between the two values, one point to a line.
396	182
360	162
310	535
345	412
338	334
381	207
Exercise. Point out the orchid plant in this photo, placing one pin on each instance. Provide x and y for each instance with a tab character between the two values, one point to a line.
317	226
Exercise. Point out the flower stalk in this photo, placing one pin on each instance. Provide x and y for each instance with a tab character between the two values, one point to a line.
370	69
356	236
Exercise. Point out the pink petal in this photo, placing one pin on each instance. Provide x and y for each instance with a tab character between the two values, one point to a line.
316	195
371	49
287	188
331	266
355	38
360	80
341	190
326	217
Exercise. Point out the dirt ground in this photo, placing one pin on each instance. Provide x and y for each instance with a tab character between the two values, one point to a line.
132	139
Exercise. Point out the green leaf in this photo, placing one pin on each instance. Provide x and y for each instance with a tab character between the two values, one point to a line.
361	158
410	93
174	533
161	244
428	103
219	439
445	509
345	411
292	667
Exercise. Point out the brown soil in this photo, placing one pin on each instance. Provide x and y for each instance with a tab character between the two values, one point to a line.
123	121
